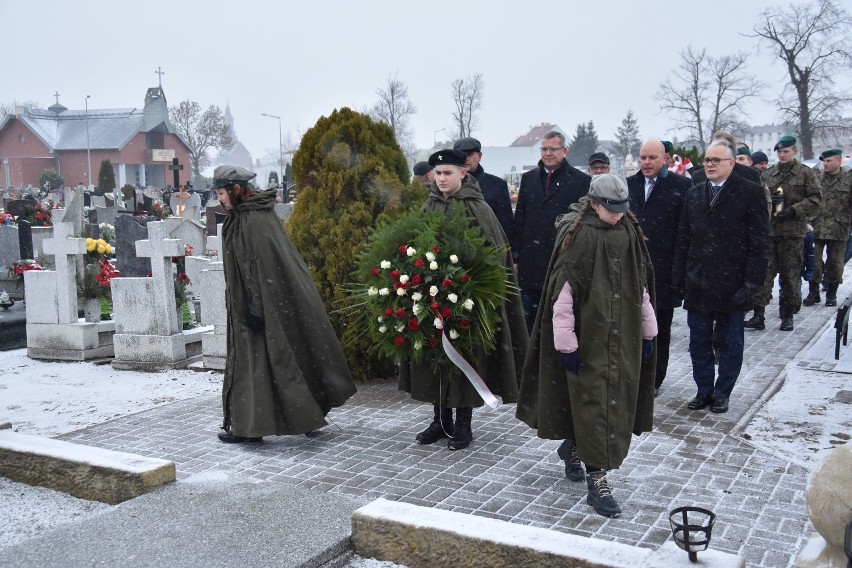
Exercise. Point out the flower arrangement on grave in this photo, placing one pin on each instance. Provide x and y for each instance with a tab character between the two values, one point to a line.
24	265
95	280
6	218
107	232
97	249
158	210
182	282
38	215
425	275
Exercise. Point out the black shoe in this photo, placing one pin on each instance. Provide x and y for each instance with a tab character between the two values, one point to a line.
229	438
440	428
567	452
786	323
720	406
756	322
600	496
700	402
831	295
812	298
462	433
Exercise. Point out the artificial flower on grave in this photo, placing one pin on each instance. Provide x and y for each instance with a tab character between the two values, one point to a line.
24	265
424	275
182	282
97	249
95	280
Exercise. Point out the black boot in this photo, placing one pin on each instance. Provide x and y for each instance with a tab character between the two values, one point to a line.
813	294
567	452
600	496
786	320
830	295
463	435
758	321
441	426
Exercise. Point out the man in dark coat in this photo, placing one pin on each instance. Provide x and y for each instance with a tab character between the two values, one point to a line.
656	198
545	193
284	368
446	387
495	190
743	170
720	264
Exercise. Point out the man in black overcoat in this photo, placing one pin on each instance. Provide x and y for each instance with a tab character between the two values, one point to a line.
494	189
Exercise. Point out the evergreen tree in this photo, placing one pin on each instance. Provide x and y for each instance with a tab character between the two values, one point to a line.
106	177
584	144
350	171
627	139
52	177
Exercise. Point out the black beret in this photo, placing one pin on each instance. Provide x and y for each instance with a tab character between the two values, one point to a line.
448	158
829	153
422	168
759	157
598	157
467	145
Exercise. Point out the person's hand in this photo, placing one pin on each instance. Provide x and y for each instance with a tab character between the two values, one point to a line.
253	318
571	361
787	213
777	198
647	349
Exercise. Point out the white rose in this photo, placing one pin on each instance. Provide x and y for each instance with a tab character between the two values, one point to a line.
453	298
433	291
380	319
383	329
454	259
373	291
403	279
401	291
385	264
400	327
438	323
415	309
433	265
418	345
430	256
454	334
384	292
468	304
410	251
417	296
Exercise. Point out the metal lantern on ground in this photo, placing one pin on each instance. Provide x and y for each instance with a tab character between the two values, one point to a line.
691	529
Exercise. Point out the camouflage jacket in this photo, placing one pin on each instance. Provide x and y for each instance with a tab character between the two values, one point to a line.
802	192
835	218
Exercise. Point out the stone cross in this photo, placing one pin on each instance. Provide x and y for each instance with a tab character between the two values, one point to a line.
160	249
65	247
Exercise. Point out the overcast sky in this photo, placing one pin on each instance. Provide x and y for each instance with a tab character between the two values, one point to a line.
559	61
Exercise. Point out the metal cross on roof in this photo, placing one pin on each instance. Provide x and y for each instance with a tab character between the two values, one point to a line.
160	72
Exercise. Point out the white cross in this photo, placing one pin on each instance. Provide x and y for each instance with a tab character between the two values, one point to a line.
160	250
64	247
440	157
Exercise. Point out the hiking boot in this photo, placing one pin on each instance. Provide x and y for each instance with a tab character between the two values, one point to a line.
600	496
441	426
462	433
812	298
786	321
831	295
758	321
567	452
229	438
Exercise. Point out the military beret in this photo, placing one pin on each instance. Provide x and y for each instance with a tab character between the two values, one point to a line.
467	145
829	153
785	142
743	151
598	157
422	168
611	192
668	146
448	157
226	175
759	157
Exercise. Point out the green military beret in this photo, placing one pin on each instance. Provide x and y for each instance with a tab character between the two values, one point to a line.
785	142
668	146
829	153
743	151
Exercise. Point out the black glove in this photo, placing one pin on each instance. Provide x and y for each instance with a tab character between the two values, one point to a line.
647	349
570	361
253	318
787	213
777	198
740	297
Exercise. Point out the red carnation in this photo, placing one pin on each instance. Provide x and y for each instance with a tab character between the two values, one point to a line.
465	279
464	324
377	271
388	312
400	313
434	306
433	343
398	340
413	325
394	274
447	283
403	249
396	285
435	249
446	313
419	263
416	280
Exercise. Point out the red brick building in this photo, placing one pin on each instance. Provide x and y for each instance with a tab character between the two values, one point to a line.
140	144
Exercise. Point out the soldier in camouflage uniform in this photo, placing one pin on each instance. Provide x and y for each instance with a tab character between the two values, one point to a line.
800	201
831	228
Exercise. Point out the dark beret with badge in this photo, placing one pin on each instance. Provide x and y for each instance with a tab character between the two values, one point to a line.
830	153
468	145
225	175
448	158
785	142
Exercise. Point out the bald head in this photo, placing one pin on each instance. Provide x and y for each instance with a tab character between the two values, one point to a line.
652	158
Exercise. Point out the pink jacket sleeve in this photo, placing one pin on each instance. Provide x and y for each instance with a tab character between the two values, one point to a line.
564	338
649	319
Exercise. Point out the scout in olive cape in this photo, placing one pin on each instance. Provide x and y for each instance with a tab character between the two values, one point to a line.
611	395
284	368
448	388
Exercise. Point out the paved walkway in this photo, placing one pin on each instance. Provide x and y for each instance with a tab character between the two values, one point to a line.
692	458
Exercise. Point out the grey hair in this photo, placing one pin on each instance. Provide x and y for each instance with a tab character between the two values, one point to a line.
555	134
724	144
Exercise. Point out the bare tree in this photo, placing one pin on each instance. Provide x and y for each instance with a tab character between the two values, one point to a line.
467	96
202	131
813	41
708	94
9	108
395	109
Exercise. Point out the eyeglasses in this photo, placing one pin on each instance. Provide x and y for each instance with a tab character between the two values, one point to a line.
548	150
715	161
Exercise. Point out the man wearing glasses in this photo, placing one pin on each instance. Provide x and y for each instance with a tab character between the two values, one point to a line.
545	193
720	264
656	198
800	199
598	164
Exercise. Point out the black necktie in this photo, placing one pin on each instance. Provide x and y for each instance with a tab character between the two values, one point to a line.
716	189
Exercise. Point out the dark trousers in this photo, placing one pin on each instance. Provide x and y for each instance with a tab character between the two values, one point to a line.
701	350
664	338
530	300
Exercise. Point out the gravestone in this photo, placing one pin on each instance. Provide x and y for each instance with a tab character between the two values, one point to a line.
214	345
65	247
92	231
17	207
188	232
110	200
210	215
10	246
128	230
98	201
87	199
192	207
105	215
147	204
25	237
214	244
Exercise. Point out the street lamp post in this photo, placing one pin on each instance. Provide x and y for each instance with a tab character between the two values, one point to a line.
280	153
88	146
435	135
